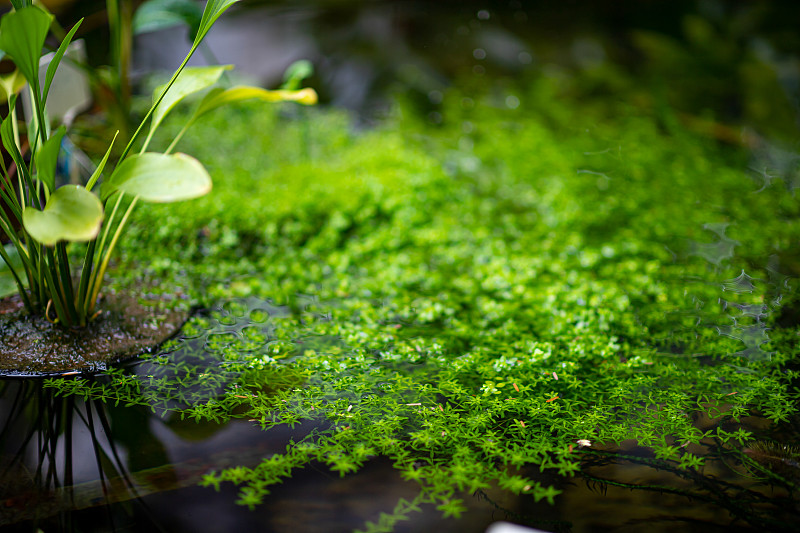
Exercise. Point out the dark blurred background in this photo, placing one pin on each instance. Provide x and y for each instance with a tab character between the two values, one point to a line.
722	64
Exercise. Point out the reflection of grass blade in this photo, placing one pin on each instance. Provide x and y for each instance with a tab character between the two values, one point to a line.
741	502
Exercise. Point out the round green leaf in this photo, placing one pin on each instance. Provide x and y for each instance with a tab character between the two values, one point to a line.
155	177
72	214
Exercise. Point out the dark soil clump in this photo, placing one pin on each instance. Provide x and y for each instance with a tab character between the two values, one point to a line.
126	326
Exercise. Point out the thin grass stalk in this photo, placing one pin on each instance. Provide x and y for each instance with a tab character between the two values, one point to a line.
17	280
7	227
40	285
154	106
8	193
55	294
66	282
39	105
15	129
25	180
86	274
107	256
88	304
178	137
11	202
14	125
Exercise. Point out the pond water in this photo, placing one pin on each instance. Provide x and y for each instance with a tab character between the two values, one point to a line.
417	384
100	465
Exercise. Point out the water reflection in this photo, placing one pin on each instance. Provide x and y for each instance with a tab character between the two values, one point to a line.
73	465
58	455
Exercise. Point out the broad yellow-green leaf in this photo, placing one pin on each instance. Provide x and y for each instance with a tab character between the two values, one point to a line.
72	214
214	9
22	35
217	98
162	178
191	80
11	84
47	157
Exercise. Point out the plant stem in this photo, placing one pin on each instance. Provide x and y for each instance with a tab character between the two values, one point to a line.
37	101
107	255
147	139
6	226
11	202
55	295
17	280
155	105
178	137
66	284
86	274
13	115
93	281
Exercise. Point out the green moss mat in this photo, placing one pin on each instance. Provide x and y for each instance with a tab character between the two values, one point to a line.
529	273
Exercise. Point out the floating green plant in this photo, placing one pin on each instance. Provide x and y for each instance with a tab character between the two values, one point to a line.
496	304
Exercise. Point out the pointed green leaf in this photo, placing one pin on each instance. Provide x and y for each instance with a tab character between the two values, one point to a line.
157	177
191	80
53	66
156	15
99	170
47	157
214	9
22	35
217	98
296	73
72	214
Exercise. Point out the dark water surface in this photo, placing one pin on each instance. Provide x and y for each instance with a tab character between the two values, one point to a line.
151	467
71	465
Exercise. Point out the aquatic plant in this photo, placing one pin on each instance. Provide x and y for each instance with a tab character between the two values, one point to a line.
40	218
478	312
